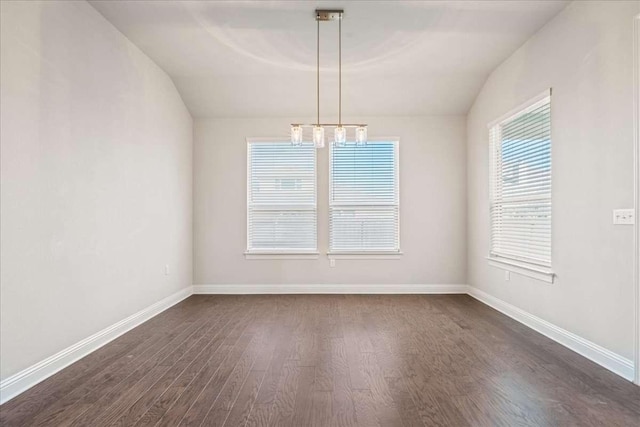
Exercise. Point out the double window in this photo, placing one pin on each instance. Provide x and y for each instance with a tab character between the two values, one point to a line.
363	198
520	185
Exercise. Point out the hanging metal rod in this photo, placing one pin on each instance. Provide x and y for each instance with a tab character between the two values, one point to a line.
318	73
340	70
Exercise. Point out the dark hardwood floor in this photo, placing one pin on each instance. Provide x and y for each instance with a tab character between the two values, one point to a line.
330	360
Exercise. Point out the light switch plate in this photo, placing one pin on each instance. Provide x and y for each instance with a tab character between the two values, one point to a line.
624	217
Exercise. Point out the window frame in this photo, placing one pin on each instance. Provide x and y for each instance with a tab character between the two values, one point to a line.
539	271
271	254
368	254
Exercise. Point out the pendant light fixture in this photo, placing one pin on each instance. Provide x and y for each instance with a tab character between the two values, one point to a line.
340	129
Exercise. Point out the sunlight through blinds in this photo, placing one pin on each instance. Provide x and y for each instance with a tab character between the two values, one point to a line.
363	197
521	185
281	205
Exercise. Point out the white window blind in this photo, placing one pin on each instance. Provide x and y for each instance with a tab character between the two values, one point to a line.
521	185
363	198
281	205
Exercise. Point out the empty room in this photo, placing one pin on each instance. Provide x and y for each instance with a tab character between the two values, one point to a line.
319	213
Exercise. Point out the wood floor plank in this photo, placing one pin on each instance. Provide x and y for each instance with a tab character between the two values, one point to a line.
343	405
231	349
228	394
544	368
365	407
405	404
330	360
303	397
241	409
226	382
201	341
185	387
351	333
386	408
61	392
281	409
321	410
100	384
261	410
119	398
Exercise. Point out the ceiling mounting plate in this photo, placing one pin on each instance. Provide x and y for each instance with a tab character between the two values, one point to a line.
329	14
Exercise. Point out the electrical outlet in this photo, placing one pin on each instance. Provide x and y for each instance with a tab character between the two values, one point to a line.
507	275
624	217
166	269
332	262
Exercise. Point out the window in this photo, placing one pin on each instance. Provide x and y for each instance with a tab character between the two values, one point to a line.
281	198
521	185
364	198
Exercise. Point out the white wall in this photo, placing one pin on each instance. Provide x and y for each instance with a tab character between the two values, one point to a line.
96	149
585	55
432	197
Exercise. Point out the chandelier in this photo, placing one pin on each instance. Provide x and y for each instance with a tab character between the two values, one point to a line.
339	129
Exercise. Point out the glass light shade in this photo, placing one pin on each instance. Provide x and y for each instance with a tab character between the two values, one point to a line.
318	136
296	135
361	136
340	135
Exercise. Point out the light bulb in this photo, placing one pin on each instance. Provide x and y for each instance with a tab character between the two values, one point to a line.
296	135
340	135
318	136
361	136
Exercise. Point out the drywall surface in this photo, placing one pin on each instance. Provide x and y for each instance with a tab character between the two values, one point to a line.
432	206
585	55
96	167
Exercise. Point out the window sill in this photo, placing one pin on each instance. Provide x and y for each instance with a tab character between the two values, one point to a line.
281	255
523	268
364	255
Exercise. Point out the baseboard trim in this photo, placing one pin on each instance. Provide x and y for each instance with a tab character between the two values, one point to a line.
329	289
600	355
20	382
27	378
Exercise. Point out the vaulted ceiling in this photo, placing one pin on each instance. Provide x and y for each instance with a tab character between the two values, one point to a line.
258	59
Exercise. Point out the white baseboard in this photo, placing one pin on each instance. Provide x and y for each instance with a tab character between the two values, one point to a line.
329	289
18	383
600	355
23	380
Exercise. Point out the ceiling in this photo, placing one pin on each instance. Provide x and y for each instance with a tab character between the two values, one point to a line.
258	59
